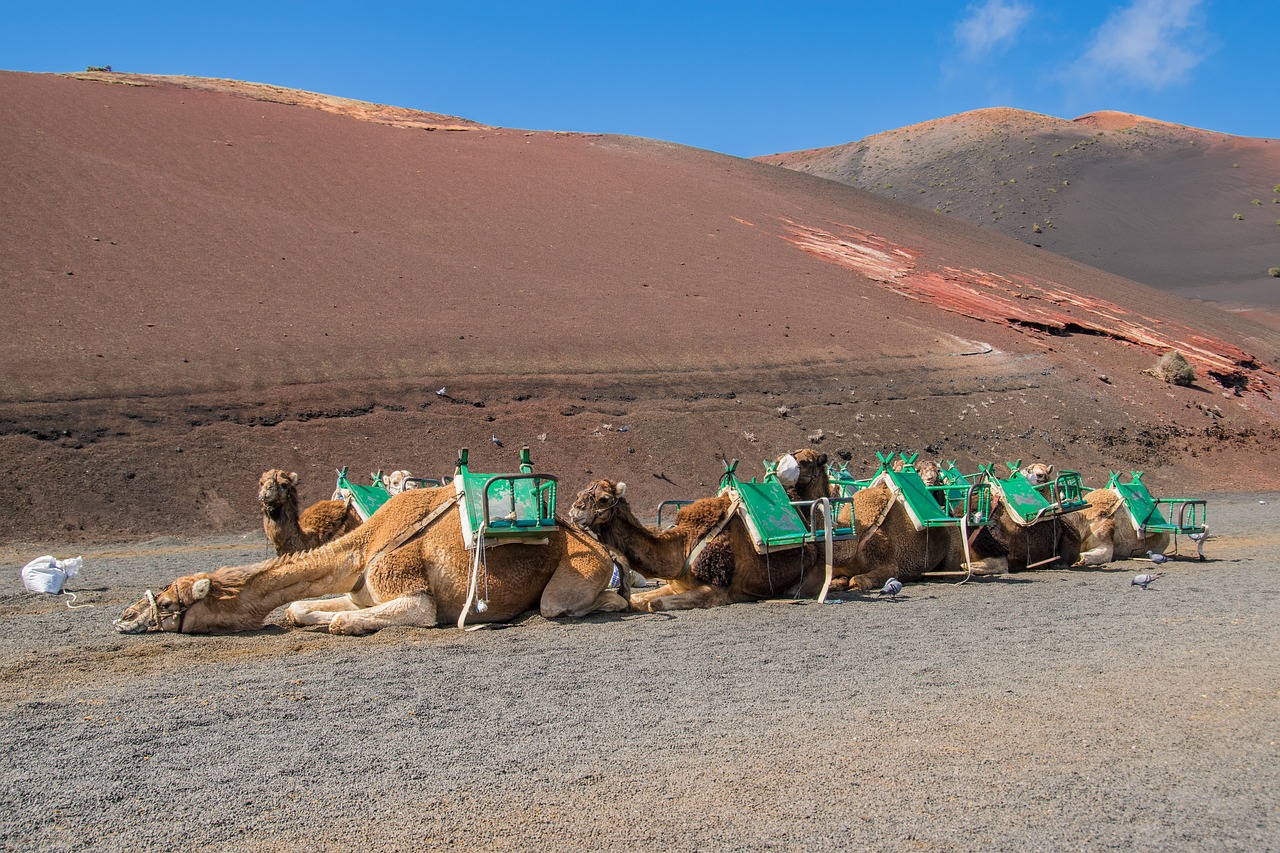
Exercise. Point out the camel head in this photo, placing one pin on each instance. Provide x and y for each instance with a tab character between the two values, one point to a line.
1037	473
804	474
167	611
275	487
396	481
929	471
597	504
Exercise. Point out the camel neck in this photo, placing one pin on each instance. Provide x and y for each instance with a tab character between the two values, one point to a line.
652	553
250	593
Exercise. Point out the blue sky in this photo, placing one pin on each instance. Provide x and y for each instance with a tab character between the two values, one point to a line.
743	78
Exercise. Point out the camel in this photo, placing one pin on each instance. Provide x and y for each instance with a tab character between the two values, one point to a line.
1103	538
888	545
408	565
706	559
1051	541
396	481
1108	531
290	531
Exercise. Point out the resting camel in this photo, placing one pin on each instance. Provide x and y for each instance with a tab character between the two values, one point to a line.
725	570
290	531
1103	538
887	544
1053	541
423	581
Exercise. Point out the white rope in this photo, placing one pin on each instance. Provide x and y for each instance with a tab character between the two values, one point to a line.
480	606
71	603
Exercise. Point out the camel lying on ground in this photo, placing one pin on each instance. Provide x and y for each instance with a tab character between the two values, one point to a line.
1103	538
290	531
706	559
1051	541
390	575
888	545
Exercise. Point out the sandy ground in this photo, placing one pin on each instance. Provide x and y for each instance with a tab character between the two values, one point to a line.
1046	710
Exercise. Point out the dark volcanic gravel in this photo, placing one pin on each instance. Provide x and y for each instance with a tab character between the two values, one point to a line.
1046	710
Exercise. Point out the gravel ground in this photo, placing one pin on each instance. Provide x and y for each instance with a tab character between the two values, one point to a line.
1046	710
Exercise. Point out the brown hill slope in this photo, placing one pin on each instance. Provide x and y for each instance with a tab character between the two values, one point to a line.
204	284
1148	200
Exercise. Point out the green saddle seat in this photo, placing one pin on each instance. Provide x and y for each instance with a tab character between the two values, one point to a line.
1029	503
1144	510
773	521
944	505
514	507
366	500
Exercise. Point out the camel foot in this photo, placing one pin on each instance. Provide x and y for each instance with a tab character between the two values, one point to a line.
346	625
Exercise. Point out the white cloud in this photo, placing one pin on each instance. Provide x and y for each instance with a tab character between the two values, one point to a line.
1151	42
986	26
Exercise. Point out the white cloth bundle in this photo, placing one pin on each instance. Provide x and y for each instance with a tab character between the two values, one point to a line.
47	574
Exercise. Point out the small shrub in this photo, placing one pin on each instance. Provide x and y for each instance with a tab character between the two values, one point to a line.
1174	368
1276	189
1274	272
1236	216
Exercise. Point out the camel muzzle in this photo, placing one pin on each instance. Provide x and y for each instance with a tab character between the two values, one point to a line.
144	615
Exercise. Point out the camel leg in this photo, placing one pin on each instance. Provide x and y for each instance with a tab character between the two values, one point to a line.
580	583
1104	553
989	567
694	599
872	581
318	611
641	602
413	610
608	600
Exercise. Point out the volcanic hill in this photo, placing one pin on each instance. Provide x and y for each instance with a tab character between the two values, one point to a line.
1188	211
206	279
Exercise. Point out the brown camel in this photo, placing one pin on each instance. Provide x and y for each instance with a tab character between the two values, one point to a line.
290	531
888	545
707	559
1052	541
388	575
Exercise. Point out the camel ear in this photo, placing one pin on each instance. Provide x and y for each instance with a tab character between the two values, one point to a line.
822	459
200	588
619	490
293	478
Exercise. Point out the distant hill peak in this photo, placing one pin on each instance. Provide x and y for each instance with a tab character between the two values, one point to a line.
1116	120
362	110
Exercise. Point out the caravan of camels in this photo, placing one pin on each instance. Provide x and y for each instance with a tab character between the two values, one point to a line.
480	548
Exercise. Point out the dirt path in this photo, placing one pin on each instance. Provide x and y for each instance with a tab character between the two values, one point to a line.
1044	710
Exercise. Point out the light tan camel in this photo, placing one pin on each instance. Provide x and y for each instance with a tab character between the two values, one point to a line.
1106	536
887	544
290	531
423	582
724	570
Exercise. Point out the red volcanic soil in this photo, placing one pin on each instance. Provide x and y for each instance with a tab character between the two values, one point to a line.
1145	199
209	279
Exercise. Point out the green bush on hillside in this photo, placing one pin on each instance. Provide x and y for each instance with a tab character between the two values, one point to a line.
1174	368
